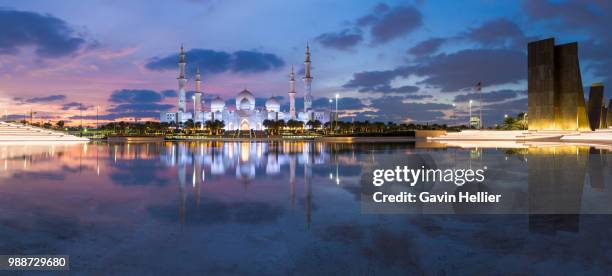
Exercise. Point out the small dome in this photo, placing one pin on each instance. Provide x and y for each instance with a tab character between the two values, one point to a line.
217	104
245	95
272	104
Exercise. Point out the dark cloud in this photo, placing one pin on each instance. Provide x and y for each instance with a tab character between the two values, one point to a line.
76	106
132	103
490	97
169	94
417	97
378	81
46	99
394	108
449	72
373	17
215	62
497	32
384	23
51	36
343	40
135	96
427	47
395	22
463	69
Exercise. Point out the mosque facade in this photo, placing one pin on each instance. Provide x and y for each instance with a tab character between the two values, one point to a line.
244	114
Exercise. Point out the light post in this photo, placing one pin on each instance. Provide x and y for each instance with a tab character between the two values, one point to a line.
97	109
453	117
336	115
470	118
331	111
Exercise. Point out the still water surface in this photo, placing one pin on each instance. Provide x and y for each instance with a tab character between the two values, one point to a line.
294	208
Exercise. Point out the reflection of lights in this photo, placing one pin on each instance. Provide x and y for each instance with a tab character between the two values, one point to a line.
337	181
331	176
245	149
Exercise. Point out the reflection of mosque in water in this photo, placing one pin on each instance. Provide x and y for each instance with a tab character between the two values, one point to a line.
244	160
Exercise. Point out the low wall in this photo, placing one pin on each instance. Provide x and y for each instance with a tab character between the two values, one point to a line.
429	133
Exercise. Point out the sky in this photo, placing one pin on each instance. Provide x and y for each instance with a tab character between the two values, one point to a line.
402	61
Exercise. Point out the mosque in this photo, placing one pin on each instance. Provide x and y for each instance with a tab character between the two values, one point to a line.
244	115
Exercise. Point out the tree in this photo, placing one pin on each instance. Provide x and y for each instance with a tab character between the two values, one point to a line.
47	125
315	124
60	124
214	126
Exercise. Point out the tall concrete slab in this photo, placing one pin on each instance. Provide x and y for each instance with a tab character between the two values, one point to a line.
555	95
540	84
595	105
609	114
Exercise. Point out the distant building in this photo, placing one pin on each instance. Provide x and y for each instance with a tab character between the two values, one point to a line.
245	115
555	94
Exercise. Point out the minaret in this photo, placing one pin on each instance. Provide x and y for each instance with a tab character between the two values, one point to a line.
307	81
197	95
182	81
292	94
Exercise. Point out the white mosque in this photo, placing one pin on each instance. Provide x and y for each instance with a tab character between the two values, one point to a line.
244	115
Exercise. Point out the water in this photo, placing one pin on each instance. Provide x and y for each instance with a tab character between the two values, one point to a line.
296	208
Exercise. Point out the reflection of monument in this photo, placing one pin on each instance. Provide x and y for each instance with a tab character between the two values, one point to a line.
556	99
556	180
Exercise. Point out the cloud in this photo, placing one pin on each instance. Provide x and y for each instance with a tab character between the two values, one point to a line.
343	40
169	94
394	23
76	106
497	32
135	96
216	62
377	81
50	98
463	69
131	103
254	62
51	36
489	97
427	47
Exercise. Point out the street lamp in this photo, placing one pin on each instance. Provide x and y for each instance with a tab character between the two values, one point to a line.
336	115
97	109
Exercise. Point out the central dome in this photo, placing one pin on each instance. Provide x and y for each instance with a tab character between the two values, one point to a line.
245	100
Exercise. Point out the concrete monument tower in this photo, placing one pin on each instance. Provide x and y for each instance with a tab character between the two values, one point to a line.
555	96
596	105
